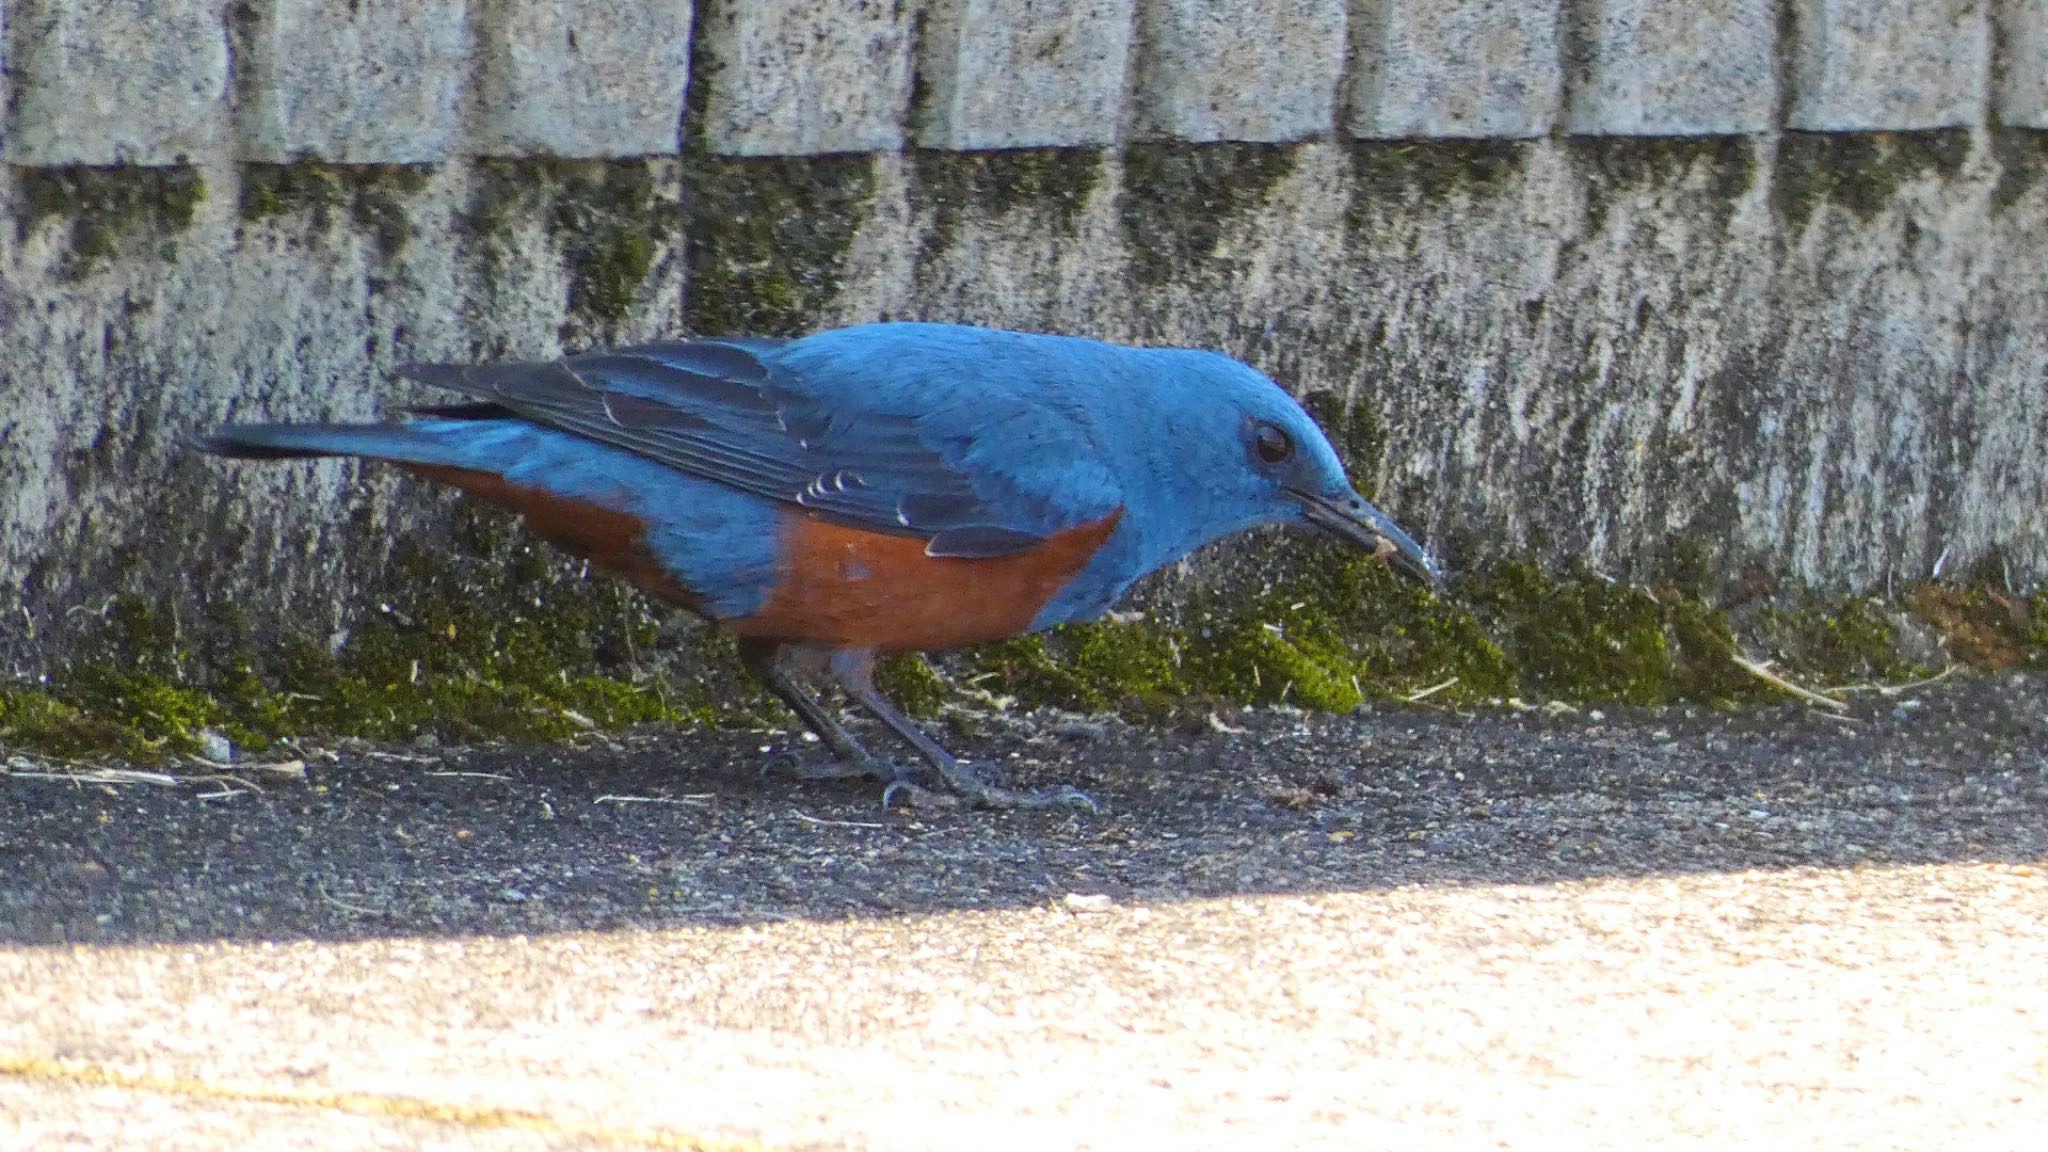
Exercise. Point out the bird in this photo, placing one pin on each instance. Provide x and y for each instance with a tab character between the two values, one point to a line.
869	489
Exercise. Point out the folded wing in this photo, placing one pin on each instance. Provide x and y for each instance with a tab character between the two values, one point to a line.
726	411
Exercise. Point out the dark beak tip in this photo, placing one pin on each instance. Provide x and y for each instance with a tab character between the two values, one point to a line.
1422	571
1356	520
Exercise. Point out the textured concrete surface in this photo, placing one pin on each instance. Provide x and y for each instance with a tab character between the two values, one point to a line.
581	78
1456	68
1888	64
77	1110
1819	355
1437	930
115	81
1673	67
1888	1009
366	83
802	79
297	311
112	81
1576	329
1811	355
1023	73
2020	72
1238	69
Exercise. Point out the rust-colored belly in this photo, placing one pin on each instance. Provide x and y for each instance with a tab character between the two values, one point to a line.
612	540
855	589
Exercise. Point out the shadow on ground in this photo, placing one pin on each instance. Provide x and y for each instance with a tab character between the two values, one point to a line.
664	828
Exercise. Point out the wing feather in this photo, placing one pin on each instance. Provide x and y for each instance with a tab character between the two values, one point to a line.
726	411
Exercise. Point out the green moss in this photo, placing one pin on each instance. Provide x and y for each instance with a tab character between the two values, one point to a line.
1335	629
1850	640
1054	184
1617	167
496	639
1703	643
912	684
1180	199
611	221
132	694
1268	663
113	211
1327	634
1401	172
2034	633
1092	667
1583	639
272	190
2022	160
768	240
374	198
1858	171
37	719
610	273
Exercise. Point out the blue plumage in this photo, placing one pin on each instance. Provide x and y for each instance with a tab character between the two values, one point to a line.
834	494
720	543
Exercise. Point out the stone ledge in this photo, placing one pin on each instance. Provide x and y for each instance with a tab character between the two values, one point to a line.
1861	65
786	80
582	78
1453	68
115	81
1249	70
1022	73
349	84
1672	67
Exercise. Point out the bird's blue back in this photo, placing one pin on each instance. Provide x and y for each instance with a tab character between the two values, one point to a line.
1060	431
978	438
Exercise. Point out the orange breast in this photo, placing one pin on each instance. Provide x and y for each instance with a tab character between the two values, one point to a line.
850	588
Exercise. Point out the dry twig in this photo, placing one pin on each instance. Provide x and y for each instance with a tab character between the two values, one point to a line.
1763	673
1432	690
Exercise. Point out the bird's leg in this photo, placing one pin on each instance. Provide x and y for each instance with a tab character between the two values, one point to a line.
767	660
853	669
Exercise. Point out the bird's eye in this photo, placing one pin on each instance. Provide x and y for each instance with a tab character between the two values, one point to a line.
1272	445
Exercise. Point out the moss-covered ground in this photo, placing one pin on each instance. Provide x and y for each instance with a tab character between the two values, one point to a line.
511	643
488	638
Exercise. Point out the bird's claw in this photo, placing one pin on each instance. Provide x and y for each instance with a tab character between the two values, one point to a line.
1069	795
916	795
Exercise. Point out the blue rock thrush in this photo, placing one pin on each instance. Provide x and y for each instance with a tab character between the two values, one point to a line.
873	489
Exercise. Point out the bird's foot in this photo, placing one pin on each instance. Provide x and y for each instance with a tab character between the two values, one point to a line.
965	788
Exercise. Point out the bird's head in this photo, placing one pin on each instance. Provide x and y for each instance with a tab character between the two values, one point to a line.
1258	457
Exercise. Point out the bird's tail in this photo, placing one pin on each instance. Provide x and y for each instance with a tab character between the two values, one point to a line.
403	443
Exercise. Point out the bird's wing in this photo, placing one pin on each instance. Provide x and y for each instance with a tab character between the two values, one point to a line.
724	410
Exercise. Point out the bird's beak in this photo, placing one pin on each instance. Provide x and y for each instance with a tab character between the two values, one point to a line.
1351	517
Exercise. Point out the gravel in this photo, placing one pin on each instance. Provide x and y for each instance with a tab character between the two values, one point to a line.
1281	930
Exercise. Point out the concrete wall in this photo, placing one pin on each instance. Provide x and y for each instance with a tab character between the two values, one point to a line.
1736	285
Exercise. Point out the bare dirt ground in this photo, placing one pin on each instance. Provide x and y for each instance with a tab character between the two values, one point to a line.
1280	930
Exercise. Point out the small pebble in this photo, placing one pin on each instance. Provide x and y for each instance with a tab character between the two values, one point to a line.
216	747
1089	903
